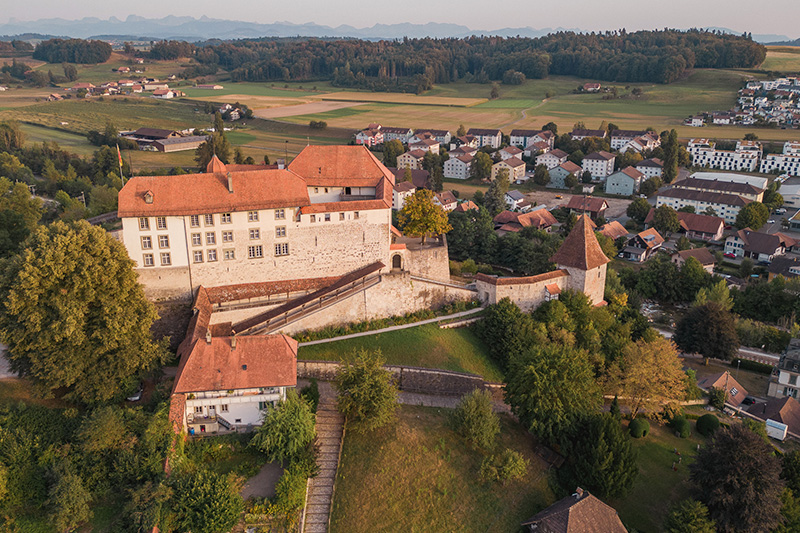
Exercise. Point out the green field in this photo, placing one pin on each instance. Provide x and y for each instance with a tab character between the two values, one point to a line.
252	89
418	475
783	59
427	346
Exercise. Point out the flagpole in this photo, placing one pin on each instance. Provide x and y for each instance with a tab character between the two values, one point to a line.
119	158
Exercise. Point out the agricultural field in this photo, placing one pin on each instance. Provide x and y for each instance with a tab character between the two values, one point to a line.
103	72
419	462
783	59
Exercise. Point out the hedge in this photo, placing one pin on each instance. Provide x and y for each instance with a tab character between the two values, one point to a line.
682	426
746	364
639	428
707	424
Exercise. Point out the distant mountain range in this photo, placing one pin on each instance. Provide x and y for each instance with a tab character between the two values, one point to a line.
203	28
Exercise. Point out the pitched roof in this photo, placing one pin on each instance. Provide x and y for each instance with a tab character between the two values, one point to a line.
763	243
547	276
785	410
336	166
483	131
782	265
725	381
561	154
651	238
701	254
515	195
693	222
632	173
588	203
570	167
632	134
153	132
404	186
540	218
588	133
718	186
601	155
579	513
704	196
463	207
524	133
418	177
416	154
446	197
580	249
513	150
613	230
653	162
513	162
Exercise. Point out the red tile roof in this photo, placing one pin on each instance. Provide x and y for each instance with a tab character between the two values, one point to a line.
701	254
589	203
570	167
578	513
784	410
547	276
651	238
463	207
337	166
726	382
613	230
694	222
580	249
631	172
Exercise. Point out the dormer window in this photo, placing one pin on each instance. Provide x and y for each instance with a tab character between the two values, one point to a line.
148	197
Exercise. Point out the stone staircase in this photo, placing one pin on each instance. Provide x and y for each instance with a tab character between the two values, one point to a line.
330	432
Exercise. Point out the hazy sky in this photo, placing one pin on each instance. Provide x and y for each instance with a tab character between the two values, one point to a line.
772	16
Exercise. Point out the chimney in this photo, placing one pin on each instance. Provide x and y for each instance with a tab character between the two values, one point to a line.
230	183
578	494
281	163
208	335
233	342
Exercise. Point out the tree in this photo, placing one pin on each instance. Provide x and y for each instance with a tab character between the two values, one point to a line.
408	175
790	470
367	394
70	72
421	217
638	210
570	181
651	186
461	131
586	177
68	499
745	268
683	243
74	315
772	198
665	220
495	198
481	167
204	502
753	216
550	387
599	457
11	136
551	126
687	209
750	137
217	144
506	466
475	420
495	92
737	477
709	211
671	148
718	293
286	430
391	150
708	330
541	176
505	330
689	516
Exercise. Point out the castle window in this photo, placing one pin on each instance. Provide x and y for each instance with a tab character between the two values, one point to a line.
197	239
228	255
198	256
161	222
313	218
163	241
252	216
148	260
282	249
147	243
255	234
225	218
212	255
341	216
166	259
194	221
355	215
280	231
327	217
280	214
227	236
144	223
254	252
211	238
209	219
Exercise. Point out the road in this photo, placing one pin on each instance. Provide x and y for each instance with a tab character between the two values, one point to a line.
744	353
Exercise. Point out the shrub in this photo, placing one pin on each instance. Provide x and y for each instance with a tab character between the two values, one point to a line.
717	397
682	427
755	366
639	427
475	420
707	424
504	467
311	394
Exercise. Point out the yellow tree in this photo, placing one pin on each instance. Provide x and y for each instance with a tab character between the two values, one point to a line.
648	376
421	217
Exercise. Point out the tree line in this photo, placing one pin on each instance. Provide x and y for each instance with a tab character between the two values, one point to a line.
72	51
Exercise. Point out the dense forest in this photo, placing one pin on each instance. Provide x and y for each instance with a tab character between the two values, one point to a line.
72	51
415	64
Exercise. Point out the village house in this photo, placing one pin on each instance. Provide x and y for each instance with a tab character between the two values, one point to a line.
640	144
464	149
591	87
593	206
560	173
487	137
580	512
510	221
412	159
466	205
419	177
446	199
788	267
619	138
696	121
651	168
369	137
694	226
599	164
703	255
613	230
625	182
538	147
458	166
642	245
391	133
440	136
155	86
552	159
514	166
744	190
402	190
724	381
724	205
425	145
522	138
514	199
465	140
579	135
758	246
781	416
510	151
786	382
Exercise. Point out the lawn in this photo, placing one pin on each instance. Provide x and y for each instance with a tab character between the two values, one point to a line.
428	346
418	475
658	486
14	390
404	98
251	89
73	142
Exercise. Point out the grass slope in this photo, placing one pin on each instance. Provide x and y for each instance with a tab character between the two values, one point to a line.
425	346
418	475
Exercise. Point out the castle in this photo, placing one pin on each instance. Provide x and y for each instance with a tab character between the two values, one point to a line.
270	248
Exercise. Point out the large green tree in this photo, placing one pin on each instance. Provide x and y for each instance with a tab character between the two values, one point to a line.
391	150
550	387
287	429
737	477
204	502
638	209
495	198
599	457
69	500
541	176
73	314
421	217
367	395
11	136
753	216
505	330
671	149
709	330
475	419
217	144
481	166
689	516
665	220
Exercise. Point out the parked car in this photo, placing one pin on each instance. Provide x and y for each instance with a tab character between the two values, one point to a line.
771	221
559	197
749	400
136	396
730	255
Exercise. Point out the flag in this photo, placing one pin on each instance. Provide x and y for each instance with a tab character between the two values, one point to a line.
119	156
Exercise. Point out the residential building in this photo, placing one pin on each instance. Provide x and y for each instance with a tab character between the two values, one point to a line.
620	138
786	163
440	136
696	121
579	135
744	190
785	380
402	191
552	159
624	182
426	145
514	166
537	147
467	205
788	267
703	255
705	154
412	159
580	512
725	381
514	198
391	133
591	87
178	144
419	177
758	246
458	167
699	227
510	151
599	164
756	181
593	206
724	205
613	230
648	141
465	140
651	168
642	245
560	173
509	221
446	199
487	137
785	411
369	137
464	149
523	138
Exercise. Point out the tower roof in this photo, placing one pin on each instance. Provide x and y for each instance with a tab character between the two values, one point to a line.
580	249
215	165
